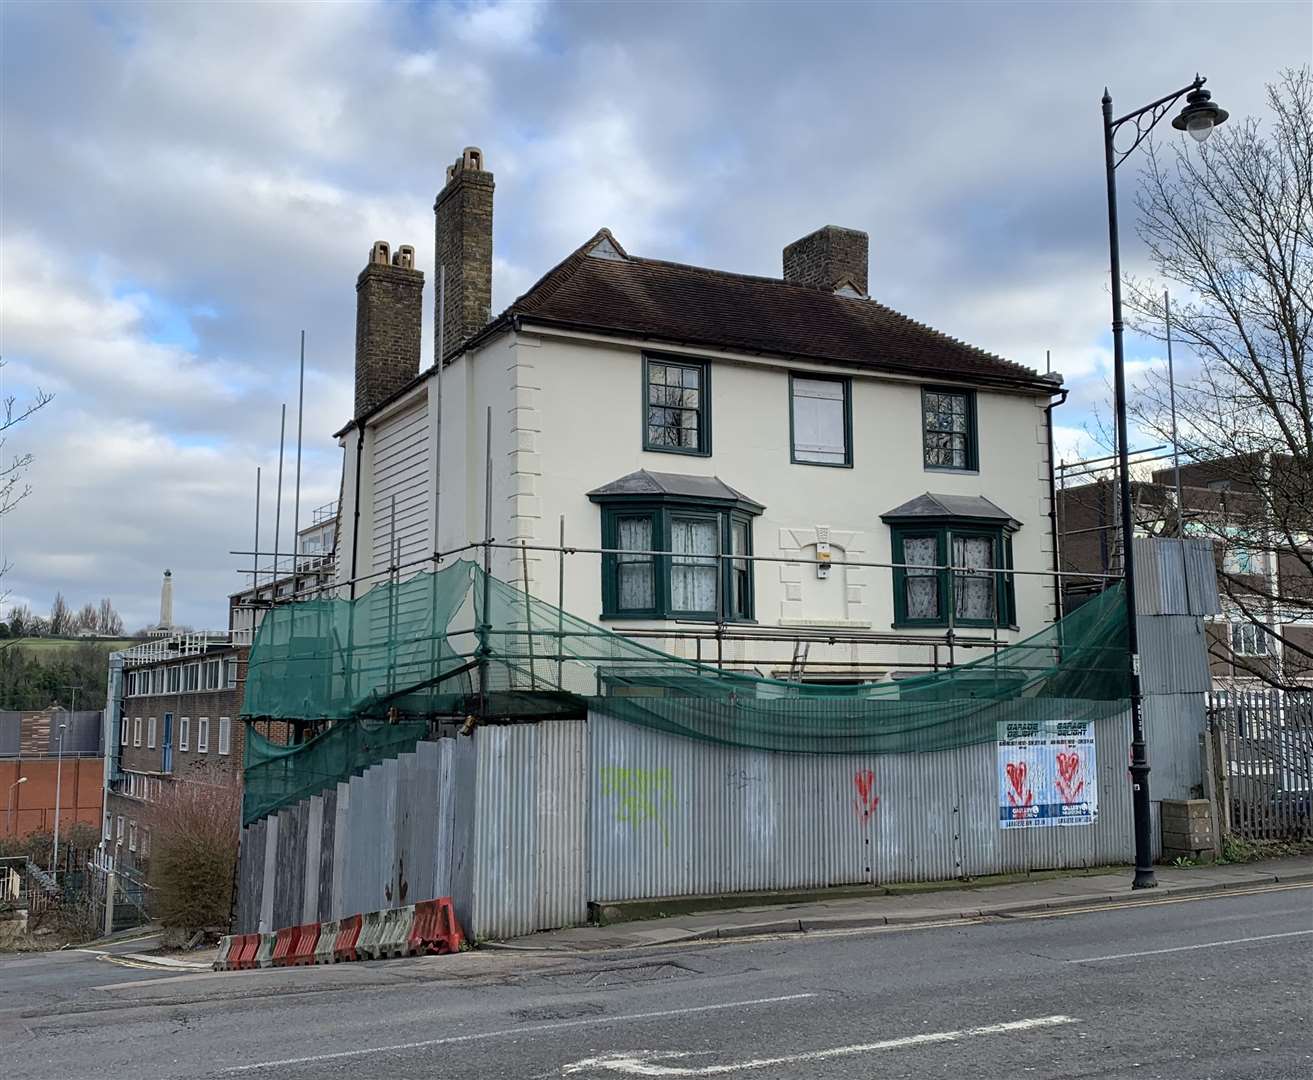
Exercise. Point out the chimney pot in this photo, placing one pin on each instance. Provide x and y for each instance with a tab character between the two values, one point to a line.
389	317
463	247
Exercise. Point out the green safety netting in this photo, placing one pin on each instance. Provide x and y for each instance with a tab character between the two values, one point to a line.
276	775
457	642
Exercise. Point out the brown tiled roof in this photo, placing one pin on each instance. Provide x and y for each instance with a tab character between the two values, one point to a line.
692	305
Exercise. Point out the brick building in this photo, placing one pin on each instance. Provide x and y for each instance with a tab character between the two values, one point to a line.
1217	504
176	719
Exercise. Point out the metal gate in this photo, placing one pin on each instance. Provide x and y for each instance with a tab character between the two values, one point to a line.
1264	739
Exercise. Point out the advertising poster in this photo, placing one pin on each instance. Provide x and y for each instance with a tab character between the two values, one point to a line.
1046	774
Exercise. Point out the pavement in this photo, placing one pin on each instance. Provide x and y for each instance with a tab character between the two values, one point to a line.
930	905
1173	987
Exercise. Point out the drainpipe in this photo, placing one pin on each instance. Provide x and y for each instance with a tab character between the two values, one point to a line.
355	522
1053	501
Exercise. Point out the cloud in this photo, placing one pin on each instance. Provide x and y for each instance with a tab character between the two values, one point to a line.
202	182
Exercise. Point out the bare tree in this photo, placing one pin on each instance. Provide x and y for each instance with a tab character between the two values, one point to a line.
20	620
61	619
108	621
13	488
1231	225
86	619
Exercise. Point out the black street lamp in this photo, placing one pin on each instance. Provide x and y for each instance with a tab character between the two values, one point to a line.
1199	116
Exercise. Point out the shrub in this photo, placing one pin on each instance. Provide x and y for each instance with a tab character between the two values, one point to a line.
193	851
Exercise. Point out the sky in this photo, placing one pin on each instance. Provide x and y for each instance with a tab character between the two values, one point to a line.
184	188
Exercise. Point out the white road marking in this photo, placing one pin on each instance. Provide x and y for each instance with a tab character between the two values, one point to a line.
588	1021
647	1062
1187	948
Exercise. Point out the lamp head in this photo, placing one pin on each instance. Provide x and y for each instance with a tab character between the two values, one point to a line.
1200	115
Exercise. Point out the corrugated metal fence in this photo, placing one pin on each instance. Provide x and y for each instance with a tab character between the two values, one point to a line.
523	825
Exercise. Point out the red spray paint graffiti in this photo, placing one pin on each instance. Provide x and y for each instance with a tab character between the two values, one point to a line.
866	800
1020	795
1069	787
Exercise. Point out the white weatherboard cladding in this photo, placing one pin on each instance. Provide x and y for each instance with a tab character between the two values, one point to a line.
401	471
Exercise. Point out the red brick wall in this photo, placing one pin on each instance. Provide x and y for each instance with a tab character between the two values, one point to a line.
80	793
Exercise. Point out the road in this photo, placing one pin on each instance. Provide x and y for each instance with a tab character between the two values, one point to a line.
1217	987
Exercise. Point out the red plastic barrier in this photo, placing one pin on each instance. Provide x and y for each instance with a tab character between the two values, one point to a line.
436	929
303	946
284	943
347	936
243	958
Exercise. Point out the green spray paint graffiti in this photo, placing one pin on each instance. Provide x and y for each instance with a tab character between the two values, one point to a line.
642	795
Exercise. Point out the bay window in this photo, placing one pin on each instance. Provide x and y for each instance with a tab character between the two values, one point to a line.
925	588
689	577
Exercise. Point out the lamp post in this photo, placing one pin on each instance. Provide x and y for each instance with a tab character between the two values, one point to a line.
12	788
59	775
1199	116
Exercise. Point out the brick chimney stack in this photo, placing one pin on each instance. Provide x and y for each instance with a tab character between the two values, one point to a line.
830	257
463	243
389	318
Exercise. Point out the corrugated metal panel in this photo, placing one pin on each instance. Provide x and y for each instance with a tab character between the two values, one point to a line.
1175	577
327	858
355	875
1173	726
250	878
270	864
385	777
341	853
314	832
505	869
675	817
421	847
561	812
457	809
1173	654
1201	577
400	456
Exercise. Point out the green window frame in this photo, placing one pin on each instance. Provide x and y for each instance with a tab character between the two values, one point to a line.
826	456
676	405
949	432
961	587
680	574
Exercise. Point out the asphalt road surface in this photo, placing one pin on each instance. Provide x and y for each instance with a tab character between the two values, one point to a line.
1186	989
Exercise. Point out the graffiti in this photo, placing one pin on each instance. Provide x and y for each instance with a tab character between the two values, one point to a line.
1067	783
740	778
1020	795
642	795
866	800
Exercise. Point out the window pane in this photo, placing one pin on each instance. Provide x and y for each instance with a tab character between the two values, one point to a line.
922	586
674	413
634	589
818	421
741	581
973	594
946	420
692	573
